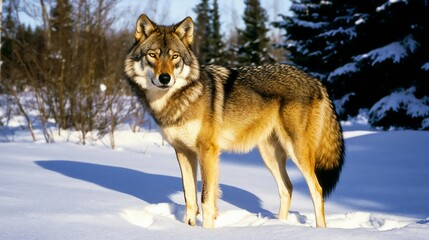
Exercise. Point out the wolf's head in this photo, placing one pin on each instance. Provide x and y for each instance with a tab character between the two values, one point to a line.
161	56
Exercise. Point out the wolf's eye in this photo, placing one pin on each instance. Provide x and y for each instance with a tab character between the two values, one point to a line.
152	55
175	56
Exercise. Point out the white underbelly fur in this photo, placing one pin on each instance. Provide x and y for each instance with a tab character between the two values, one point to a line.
228	139
244	141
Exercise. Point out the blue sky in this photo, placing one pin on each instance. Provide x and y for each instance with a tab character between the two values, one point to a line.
172	11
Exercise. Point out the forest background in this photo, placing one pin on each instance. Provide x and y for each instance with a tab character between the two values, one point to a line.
67	70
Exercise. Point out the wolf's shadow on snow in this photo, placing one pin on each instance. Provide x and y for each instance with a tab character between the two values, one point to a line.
151	188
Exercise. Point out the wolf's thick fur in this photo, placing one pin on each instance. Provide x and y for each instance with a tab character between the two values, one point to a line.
202	110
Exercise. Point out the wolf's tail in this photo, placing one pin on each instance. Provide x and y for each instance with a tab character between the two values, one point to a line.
330	151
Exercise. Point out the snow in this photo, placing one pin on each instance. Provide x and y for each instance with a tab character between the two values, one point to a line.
359	21
303	7
339	103
395	51
345	69
401	99
299	7
426	66
325	2
356	124
308	24
389	3
425	123
361	18
350	32
69	191
103	87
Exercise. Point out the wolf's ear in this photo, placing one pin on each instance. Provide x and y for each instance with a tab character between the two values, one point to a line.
185	31
144	28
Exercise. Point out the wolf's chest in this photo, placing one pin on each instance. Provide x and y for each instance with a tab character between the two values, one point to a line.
185	134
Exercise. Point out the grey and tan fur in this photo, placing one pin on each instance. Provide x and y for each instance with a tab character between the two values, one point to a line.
202	110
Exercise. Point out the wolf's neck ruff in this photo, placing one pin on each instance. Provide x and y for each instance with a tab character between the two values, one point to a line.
170	107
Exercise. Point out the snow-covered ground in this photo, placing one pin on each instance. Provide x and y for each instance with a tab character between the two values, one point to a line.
69	191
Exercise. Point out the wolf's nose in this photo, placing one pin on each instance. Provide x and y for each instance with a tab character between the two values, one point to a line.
164	78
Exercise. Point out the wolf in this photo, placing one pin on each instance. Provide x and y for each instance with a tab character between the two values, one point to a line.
202	110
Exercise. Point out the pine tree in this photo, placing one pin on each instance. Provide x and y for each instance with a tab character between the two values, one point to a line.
8	34
400	62
61	27
253	40
215	55
302	30
60	55
363	51
202	30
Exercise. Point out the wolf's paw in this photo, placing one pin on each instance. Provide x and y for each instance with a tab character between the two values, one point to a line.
190	221
209	223
191	215
209	219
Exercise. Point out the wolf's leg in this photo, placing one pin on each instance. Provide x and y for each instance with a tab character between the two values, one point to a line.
209	164
274	157
188	166
304	157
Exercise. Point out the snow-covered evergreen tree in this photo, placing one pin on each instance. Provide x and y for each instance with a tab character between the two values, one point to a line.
208	44
202	27
253	40
216	52
365	51
302	34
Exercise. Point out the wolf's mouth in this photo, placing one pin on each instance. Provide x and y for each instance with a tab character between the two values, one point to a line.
163	86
